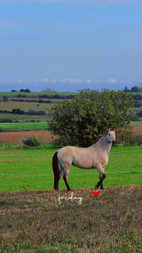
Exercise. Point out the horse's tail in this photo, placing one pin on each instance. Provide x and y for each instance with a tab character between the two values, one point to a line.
55	171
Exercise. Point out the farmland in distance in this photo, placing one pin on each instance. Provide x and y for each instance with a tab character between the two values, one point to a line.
29	107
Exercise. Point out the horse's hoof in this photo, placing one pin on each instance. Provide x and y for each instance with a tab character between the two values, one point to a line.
96	187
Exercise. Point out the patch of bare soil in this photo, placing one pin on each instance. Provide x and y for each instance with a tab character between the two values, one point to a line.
137	130
16	137
35	221
43	136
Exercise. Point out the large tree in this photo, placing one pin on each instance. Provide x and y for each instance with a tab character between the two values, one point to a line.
82	120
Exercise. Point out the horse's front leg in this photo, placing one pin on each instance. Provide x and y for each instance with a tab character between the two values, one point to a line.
101	180
102	176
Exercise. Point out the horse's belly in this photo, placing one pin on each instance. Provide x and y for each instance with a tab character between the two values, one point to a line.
83	164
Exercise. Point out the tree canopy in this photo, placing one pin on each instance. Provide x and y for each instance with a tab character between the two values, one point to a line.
84	119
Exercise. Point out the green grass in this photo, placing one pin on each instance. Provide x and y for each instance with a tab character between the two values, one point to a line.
22	118
25	106
13	94
20	126
135	93
31	169
137	123
9	127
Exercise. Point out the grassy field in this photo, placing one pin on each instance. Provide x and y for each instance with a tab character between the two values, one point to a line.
31	169
32	219
26	106
137	123
35	222
17	118
23	126
34	94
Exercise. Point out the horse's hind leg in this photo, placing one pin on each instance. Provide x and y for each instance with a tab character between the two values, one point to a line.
66	182
65	177
65	172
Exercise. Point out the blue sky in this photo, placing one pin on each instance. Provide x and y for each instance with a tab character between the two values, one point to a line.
69	44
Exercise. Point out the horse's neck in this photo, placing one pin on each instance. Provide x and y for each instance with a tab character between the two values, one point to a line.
104	144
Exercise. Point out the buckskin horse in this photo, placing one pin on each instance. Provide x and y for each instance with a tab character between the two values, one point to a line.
93	157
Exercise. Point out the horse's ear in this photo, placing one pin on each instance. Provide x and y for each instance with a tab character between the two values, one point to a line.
109	129
112	129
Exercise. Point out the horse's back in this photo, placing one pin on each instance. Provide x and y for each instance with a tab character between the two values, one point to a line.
80	157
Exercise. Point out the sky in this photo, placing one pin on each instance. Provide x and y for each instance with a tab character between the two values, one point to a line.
68	45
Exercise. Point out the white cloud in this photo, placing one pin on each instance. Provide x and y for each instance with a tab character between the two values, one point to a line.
74	81
112	81
56	81
68	80
87	81
45	80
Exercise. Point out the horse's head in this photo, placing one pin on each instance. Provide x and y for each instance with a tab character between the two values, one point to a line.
111	137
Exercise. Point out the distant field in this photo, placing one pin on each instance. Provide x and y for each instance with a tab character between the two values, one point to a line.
136	123
35	106
10	127
41	104
28	94
135	93
31	169
137	109
22	118
26	106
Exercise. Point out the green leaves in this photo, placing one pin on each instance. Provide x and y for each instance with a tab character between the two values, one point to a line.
83	120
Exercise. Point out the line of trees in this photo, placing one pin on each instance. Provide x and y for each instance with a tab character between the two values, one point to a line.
32	100
42	96
19	111
133	89
22	90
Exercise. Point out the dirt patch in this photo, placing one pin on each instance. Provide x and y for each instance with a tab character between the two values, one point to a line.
16	137
43	136
137	130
